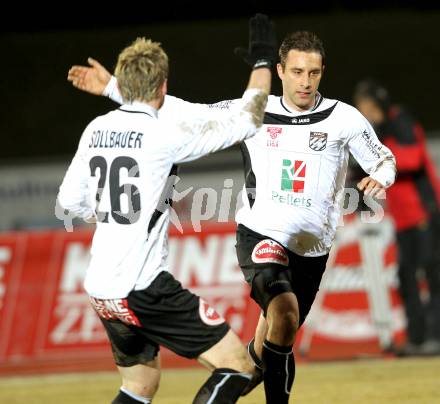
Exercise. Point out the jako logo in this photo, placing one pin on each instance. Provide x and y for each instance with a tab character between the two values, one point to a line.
293	176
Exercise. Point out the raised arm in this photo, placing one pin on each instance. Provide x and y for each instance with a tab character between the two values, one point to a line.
224	129
221	130
261	53
92	79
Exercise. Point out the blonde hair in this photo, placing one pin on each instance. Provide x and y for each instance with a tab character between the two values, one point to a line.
141	70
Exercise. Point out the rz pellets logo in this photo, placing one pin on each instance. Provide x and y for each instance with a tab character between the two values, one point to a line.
293	176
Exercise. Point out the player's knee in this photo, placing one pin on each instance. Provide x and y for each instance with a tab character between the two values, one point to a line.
141	379
283	314
142	389
285	322
237	358
230	353
244	364
289	321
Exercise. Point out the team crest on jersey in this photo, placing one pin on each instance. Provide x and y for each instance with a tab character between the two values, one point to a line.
273	132
269	251
318	140
208	314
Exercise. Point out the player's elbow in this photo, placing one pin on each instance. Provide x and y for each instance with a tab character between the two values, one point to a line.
67	203
64	201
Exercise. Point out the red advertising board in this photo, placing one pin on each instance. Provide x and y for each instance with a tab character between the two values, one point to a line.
48	324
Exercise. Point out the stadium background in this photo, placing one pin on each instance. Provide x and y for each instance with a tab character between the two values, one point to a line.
46	323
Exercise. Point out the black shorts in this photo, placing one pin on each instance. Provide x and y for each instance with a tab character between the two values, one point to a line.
164	314
271	269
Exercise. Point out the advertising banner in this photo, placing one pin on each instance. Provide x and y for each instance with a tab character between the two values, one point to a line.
48	324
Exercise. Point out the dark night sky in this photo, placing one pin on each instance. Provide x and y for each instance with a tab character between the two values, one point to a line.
42	18
43	116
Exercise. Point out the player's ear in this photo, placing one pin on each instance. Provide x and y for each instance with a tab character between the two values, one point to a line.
164	87
280	71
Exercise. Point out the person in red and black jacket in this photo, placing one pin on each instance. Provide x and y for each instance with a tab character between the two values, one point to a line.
414	204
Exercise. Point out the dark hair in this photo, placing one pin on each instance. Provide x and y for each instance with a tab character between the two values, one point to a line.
370	88
305	41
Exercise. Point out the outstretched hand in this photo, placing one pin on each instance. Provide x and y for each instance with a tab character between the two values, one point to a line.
91	79
371	187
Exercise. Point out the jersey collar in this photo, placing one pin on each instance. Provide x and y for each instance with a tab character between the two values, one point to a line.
139	107
318	100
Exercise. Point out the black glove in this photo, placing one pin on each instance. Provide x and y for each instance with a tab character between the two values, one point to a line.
262	43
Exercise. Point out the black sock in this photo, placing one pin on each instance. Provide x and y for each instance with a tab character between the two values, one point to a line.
258	375
123	398
223	387
251	350
278	372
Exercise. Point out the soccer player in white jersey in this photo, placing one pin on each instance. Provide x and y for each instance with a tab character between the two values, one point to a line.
295	172
117	179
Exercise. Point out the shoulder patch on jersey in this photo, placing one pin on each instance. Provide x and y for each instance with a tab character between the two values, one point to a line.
269	251
208	314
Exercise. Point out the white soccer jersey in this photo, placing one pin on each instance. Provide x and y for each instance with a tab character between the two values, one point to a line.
296	165
119	174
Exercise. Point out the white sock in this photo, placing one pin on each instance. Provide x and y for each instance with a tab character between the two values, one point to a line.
135	396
